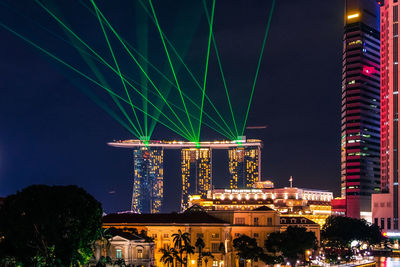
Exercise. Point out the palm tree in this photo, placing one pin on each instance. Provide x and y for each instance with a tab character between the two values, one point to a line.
200	245
189	250
207	256
167	257
181	240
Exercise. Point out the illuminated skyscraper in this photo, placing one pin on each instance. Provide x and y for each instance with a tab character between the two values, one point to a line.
148	181
244	166
196	173
385	206
360	131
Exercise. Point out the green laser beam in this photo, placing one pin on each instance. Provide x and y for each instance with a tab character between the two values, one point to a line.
84	75
105	62
169	81
140	67
206	68
170	63
119	71
222	72
189	72
259	63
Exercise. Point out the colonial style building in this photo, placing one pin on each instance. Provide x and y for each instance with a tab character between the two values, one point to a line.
217	228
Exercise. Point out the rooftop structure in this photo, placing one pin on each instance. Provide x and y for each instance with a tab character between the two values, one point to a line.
224	144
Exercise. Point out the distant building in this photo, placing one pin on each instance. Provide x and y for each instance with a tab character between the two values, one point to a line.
125	246
148	180
312	204
338	206
385	206
360	121
196	173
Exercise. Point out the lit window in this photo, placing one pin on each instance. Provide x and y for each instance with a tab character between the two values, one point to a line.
215	263
166	236
118	253
214	235
140	253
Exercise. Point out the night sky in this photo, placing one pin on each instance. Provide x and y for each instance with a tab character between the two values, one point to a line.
51	132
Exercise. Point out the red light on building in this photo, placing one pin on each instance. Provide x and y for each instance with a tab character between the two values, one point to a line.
367	70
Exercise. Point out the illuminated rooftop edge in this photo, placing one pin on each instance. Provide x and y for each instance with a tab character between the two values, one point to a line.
224	144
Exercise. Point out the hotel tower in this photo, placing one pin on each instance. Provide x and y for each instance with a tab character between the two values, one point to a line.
360	114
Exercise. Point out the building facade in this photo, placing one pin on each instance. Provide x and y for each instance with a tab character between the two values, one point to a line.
385	206
196	173
360	117
218	229
148	183
244	166
124	246
312	204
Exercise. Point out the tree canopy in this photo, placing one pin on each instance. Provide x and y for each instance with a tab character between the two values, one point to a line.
340	231
292	243
49	225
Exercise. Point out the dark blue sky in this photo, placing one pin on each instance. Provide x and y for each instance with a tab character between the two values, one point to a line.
52	133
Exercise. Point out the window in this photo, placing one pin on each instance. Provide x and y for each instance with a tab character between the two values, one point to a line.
256	221
269	221
166	235
199	235
118	253
215	235
255	234
154	236
239	220
140	253
215	263
214	247
389	223
382	223
376	221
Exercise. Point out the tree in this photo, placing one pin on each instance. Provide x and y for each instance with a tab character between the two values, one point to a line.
167	257
292	243
200	245
247	248
189	249
49	225
338	232
181	241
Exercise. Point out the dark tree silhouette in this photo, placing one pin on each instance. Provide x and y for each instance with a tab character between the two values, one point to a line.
49	225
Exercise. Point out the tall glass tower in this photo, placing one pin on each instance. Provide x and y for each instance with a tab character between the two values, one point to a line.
196	173
244	166
360	127
148	181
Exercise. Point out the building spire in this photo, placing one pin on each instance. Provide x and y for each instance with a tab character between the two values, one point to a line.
291	181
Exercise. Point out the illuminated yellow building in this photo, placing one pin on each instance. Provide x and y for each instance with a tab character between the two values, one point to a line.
218	229
196	173
244	166
197	223
291	201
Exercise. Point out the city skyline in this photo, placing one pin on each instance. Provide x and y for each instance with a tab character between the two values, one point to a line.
49	116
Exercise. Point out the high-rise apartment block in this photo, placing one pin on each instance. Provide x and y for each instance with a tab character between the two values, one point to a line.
196	173
148	180
360	127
